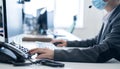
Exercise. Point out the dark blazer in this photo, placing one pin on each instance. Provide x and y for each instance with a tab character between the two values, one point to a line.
102	48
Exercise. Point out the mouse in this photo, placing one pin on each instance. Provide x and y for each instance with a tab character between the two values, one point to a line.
56	43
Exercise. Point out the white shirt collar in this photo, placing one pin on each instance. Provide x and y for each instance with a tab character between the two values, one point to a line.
106	18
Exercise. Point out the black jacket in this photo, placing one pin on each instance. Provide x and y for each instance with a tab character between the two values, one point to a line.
100	49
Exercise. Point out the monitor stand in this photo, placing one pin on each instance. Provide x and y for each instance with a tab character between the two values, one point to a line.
43	32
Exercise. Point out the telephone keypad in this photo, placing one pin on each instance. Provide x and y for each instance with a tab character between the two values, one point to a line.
23	49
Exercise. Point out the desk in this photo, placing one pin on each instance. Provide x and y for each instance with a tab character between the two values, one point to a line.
58	33
68	65
66	35
62	34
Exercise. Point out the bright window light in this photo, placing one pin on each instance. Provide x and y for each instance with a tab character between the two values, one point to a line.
64	10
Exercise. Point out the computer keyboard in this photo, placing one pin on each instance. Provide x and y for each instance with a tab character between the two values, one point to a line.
48	45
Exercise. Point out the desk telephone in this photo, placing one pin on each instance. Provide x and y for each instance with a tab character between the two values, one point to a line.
13	53
16	55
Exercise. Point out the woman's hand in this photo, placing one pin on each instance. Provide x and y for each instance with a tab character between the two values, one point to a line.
43	53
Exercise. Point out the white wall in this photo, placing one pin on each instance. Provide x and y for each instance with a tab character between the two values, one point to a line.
92	22
0	2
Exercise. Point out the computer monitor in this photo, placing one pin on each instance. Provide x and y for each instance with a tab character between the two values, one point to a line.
1	25
12	20
45	20
42	20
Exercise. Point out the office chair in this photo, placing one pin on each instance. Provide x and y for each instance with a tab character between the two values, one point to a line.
72	27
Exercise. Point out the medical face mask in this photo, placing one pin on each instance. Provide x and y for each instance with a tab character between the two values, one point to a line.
99	4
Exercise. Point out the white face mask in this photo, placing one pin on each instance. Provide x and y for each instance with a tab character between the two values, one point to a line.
99	4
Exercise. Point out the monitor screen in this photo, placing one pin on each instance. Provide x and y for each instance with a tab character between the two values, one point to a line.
1	25
12	19
42	20
45	20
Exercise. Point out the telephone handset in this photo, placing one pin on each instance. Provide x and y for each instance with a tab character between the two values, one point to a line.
13	53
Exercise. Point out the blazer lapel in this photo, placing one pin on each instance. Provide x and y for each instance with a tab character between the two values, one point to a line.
108	26
114	13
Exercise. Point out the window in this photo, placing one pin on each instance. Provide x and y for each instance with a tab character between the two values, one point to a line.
32	6
64	10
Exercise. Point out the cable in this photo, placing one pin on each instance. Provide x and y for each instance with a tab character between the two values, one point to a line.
45	62
50	63
23	64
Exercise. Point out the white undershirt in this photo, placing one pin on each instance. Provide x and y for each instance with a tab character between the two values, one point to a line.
106	18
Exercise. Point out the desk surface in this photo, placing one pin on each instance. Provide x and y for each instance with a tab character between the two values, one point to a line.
56	34
68	65
66	35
